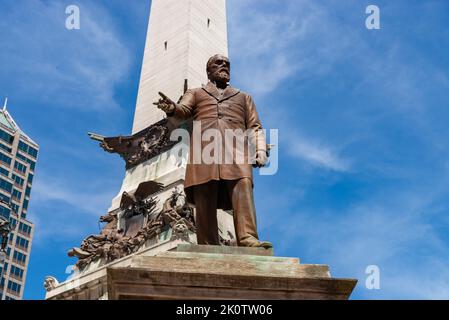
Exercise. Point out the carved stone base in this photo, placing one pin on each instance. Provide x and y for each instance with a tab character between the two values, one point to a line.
199	272
179	270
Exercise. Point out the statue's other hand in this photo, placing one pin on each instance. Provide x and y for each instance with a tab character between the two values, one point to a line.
165	104
261	158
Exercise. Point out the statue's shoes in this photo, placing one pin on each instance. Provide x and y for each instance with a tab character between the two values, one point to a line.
257	244
265	244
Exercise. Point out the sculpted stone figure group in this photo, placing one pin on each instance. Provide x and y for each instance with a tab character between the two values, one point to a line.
227	186
114	242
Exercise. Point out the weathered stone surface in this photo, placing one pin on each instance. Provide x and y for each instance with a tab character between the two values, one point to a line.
199	275
170	271
230	266
225	250
230	256
162	285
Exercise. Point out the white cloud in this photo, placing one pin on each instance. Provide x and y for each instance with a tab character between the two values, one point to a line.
317	154
65	209
304	40
92	198
270	46
77	68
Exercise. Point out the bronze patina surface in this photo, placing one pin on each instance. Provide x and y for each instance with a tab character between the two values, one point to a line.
141	146
220	107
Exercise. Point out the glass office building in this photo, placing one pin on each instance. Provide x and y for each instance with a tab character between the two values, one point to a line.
18	156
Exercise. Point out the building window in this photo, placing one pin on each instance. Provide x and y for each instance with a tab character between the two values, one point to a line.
5	159
23	146
16	272
6	137
14	287
5	185
30	178
20	167
5	212
18	180
5	198
19	257
22	243
7	149
15	208
13	223
24	228
4	172
16	195
31	162
32	152
28	149
27	191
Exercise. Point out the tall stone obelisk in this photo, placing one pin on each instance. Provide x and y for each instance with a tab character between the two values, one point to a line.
182	35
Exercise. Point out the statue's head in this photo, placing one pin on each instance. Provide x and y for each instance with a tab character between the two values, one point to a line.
219	69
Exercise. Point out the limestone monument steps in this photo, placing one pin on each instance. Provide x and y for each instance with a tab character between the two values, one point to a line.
193	275
177	270
225	250
230	266
194	255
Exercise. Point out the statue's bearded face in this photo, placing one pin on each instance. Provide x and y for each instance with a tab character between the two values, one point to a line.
219	69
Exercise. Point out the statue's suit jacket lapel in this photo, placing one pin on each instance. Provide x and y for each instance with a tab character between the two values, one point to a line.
228	93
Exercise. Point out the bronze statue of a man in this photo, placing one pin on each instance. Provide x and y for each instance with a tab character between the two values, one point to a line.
223	185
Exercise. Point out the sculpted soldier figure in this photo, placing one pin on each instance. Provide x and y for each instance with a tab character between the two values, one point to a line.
221	185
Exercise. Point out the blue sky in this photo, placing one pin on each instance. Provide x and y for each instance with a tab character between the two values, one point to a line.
362	118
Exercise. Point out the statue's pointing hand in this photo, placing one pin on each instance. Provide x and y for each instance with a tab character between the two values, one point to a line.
261	159
165	104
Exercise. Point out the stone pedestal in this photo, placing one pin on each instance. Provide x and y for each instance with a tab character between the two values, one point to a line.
205	272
